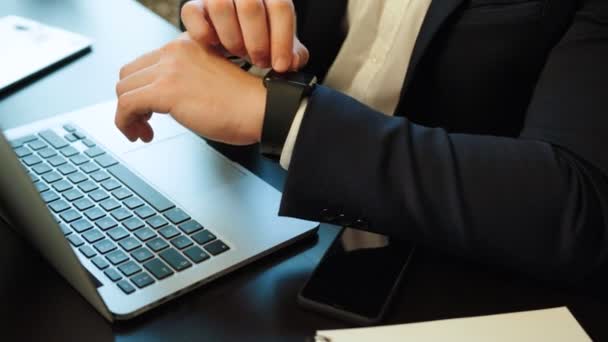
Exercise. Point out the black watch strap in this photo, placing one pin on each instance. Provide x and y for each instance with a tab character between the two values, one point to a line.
283	100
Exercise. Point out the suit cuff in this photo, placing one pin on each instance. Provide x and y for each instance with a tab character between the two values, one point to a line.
292	135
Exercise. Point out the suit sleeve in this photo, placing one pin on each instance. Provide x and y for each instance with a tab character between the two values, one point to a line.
536	204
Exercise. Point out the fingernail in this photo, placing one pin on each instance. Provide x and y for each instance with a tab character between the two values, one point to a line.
280	64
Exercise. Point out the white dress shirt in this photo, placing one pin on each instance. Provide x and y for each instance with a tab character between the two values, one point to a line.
373	61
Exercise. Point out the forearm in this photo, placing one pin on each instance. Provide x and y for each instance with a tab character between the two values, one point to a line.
519	203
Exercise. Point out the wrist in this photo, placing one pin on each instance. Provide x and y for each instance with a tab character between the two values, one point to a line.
255	105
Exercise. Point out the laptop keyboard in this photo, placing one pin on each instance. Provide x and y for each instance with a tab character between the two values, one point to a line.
130	231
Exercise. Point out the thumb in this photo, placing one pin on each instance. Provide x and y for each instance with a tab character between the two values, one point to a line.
300	55
195	20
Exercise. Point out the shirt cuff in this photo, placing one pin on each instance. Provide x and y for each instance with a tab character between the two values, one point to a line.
290	142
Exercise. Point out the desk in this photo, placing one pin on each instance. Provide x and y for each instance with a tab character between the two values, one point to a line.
257	302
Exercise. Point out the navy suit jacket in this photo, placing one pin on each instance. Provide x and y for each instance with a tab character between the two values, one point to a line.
496	151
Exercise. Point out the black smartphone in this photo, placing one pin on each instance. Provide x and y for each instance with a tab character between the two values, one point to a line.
357	277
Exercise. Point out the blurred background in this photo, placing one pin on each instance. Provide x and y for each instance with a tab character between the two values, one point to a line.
165	8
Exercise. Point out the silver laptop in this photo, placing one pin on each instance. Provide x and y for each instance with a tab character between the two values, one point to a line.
133	225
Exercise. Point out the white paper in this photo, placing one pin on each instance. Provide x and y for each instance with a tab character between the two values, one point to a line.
554	325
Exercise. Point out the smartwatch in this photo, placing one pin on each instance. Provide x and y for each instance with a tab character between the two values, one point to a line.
285	92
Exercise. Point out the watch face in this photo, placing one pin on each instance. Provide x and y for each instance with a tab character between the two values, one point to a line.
295	78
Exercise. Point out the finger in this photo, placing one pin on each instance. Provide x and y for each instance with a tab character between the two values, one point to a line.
254	27
137	79
141	62
145	131
300	56
136	105
282	20
225	22
196	21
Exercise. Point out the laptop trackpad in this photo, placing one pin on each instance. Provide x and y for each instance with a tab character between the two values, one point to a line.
183	167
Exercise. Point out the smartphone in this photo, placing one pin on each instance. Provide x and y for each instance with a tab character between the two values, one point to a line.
357	277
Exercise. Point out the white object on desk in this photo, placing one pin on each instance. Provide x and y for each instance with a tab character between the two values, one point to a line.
541	325
27	47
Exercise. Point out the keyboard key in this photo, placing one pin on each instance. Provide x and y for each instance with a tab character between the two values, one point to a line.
37	145
94	152
88	186
84	204
157	222
121	194
129	268
113	274
110	184
70	216
65	229
137	185
94	213
31	160
69	128
99	195
181	242
59	206
51	177
125	287
89	167
87	251
104	246
79	159
77	177
177	216
57	161
52	138
175	259
93	235
158	269
196	254
142	280
49	196
169	232
100	176
41	169
69	151
129	244
133	223
100	262
21	141
79	135
81	225
62	185
41	187
121	214
109	204
105	161
47	153
33	177
70	137
133	202
117	257
118	233
22	152
157	244
216	247
73	194
88	143
106	223
203	237
75	240
190	227
66	169
142	254
145	212
145	234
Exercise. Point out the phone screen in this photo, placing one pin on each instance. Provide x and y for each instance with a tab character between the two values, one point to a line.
358	273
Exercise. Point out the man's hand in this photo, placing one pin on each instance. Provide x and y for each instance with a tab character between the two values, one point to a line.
261	30
199	88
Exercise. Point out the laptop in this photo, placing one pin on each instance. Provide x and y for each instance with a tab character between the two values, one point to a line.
133	225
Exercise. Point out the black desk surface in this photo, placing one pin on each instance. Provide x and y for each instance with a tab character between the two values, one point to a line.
257	302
